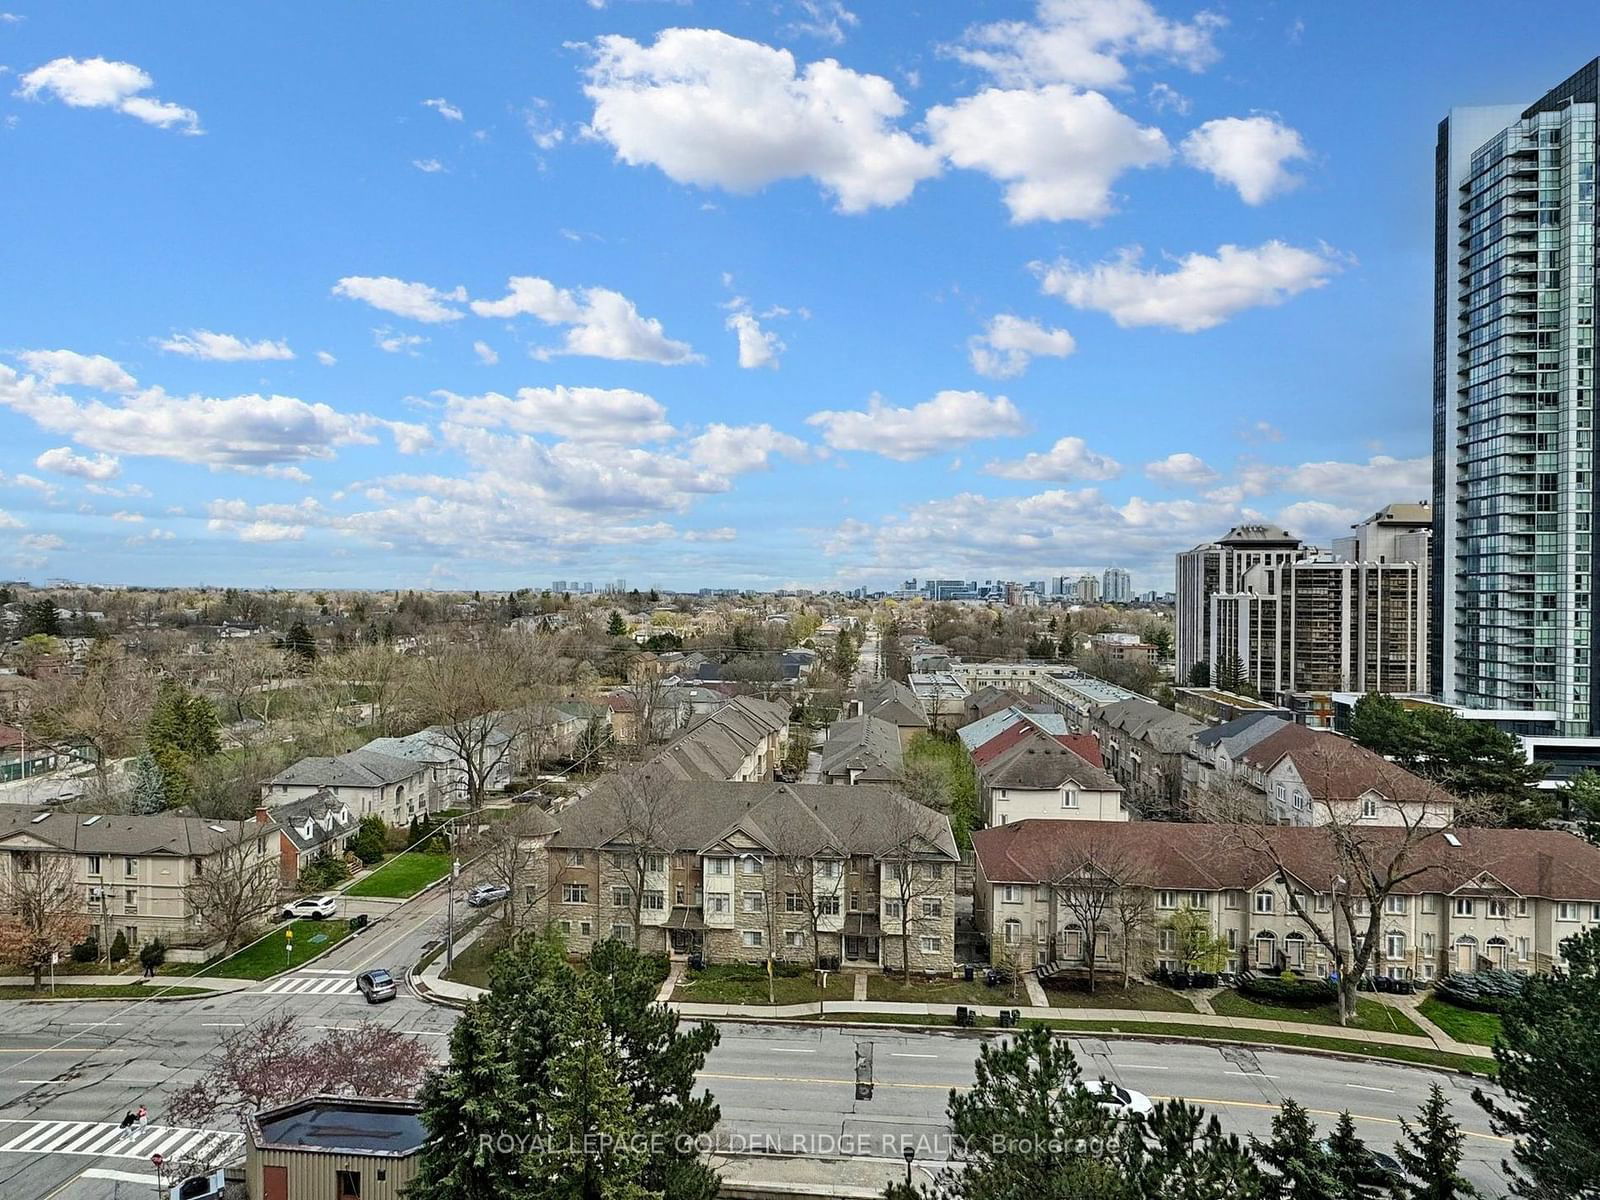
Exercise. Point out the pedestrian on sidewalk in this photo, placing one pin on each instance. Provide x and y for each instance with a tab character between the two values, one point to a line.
129	1120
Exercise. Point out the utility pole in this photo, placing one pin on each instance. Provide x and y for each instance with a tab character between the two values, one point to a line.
450	917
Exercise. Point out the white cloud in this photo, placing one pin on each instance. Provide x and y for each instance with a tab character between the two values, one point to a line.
1182	469
825	19
224	347
63	461
758	347
41	542
715	110
7	521
1069	459
444	108
391	341
1085	41
725	533
1057	150
130	518
1202	291
739	449
100	83
1250	154
600	323
1009	343
947	422
1165	98
232	432
418	301
583	414
67	367
326	358
487	355
428	166
1319	522
1377	481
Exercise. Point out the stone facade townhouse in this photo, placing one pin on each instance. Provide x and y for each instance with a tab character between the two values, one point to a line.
1486	898
742	741
1144	747
861	750
853	877
134	873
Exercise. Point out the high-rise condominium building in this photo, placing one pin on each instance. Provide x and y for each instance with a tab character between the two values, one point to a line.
1222	567
1513	408
1116	586
1086	590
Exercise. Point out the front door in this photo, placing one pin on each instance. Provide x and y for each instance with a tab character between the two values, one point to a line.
686	941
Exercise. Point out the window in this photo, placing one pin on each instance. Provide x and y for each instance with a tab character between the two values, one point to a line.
933	907
1069	799
574	858
1396	906
1166	899
932	945
1465	906
130	900
653	901
1524	948
655	863
1362	907
855	901
130	868
718	866
619	861
1369	807
751	938
754	902
1012	932
792	902
828	905
94	866
1323	902
1264	902
1011	894
1233	939
1394	944
575	893
750	864
1569	912
935	870
1294	949
1199	900
1429	905
1232	900
795	939
586	928
621	897
1266	949
831	869
1498	908
1428	944
717	905
891	909
1166	941
622	932
347	1185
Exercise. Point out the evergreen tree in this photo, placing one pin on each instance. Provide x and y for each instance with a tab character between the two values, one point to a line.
148	790
1230	674
617	627
1430	1152
474	1110
1299	1166
119	947
1350	1162
1200	675
1381	724
1549	1062
1181	1154
39	617
1582	799
300	645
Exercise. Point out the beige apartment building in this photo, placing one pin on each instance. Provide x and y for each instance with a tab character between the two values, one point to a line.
850	877
134	872
1487	898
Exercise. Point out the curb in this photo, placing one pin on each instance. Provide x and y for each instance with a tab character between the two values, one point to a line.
200	994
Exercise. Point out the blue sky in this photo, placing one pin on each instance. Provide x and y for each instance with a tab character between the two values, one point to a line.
717	293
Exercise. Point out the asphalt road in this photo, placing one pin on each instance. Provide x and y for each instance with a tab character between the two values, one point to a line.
69	1069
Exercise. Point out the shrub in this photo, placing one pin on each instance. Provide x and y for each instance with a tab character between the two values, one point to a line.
152	954
87	951
370	839
321	873
119	947
1484	991
1290	990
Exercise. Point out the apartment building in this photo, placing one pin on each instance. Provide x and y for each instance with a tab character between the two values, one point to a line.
1484	898
859	877
1242	562
134	872
367	782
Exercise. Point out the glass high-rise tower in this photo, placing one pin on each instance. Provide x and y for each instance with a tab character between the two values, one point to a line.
1513	567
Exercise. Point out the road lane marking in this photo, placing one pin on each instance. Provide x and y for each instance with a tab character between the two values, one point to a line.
1250	1074
118	1176
93	1024
903	1054
789	1050
1141	1067
86	1051
221	1024
1368	1088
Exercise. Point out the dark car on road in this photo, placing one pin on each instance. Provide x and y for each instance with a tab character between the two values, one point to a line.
377	986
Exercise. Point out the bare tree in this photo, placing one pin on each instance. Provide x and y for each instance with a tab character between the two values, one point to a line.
1086	883
244	670
1133	914
1368	860
476	699
234	889
507	855
644	838
103	712
645	691
913	876
41	911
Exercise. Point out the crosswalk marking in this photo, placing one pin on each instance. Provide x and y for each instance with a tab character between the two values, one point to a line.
104	1139
297	985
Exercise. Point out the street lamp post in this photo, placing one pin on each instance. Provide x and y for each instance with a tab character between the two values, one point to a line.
450	918
910	1153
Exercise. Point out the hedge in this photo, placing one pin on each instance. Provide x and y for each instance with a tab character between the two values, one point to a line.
1293	991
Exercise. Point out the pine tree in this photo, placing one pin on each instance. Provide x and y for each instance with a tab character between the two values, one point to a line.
300	644
148	791
469	1108
1181	1154
1430	1152
618	627
1350	1162
1299	1166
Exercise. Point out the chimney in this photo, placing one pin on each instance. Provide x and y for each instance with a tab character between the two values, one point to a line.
262	815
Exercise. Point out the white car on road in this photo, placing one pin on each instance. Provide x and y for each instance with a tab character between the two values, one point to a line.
313	908
1117	1100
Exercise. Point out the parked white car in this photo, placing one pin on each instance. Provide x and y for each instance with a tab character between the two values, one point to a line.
1117	1100
310	908
485	894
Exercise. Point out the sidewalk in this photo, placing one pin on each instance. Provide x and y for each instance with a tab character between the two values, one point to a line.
155	985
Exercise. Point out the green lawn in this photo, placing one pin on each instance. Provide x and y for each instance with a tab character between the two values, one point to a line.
266	957
1370	1014
1111	994
402	876
746	983
942	991
472	964
1463	1024
89	991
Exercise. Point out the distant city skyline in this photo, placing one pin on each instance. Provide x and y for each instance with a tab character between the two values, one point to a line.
506	317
